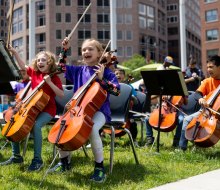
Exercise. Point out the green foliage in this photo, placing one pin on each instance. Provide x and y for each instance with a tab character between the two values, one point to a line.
153	169
135	62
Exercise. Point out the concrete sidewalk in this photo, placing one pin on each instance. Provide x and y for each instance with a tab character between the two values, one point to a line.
206	181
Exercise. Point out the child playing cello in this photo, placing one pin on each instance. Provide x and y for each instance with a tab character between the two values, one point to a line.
91	52
43	65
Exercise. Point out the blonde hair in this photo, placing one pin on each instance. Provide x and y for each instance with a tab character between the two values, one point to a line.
95	42
51	60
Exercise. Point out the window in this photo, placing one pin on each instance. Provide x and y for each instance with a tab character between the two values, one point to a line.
119	3
211	15
40	6
2	33
129	35
41	20
128	4
119	19
128	19
150	24
67	32
142	9
41	38
172	19
83	2
84	34
102	35
150	11
119	35
209	1
17	27
142	22
18	42
58	34
58	2
212	35
212	52
68	17
120	52
172	7
58	17
129	51
86	18
67	2
103	3
58	50
103	18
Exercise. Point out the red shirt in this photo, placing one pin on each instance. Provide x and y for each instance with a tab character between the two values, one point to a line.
36	78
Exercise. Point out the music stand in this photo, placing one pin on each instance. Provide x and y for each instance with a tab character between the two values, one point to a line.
9	69
164	82
6	88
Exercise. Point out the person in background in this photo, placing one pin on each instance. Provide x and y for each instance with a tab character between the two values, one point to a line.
207	86
120	74
149	130
193	76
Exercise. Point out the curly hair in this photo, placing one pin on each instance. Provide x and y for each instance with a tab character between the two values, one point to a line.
50	61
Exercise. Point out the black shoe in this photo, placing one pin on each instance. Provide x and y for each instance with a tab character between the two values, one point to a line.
59	168
98	175
150	141
62	166
36	165
13	160
175	143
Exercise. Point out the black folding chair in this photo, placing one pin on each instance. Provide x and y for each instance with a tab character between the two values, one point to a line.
140	108
119	113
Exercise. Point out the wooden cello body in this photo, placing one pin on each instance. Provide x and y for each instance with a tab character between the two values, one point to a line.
168	115
72	130
7	114
23	121
204	130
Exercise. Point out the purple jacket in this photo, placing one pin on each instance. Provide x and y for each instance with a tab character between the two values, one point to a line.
79	75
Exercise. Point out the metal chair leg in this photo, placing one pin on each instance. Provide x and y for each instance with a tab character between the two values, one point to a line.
142	132
6	142
112	149
85	151
25	145
132	145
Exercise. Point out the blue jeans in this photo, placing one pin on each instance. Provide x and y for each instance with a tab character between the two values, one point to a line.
42	119
183	141
149	129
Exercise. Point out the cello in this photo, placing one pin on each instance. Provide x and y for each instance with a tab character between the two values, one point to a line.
7	114
168	113
23	121
72	130
204	130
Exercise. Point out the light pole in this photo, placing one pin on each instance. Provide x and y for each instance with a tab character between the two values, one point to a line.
182	34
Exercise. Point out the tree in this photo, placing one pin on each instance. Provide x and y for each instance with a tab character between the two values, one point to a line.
135	62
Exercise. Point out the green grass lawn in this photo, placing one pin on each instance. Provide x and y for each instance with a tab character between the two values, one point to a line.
154	169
